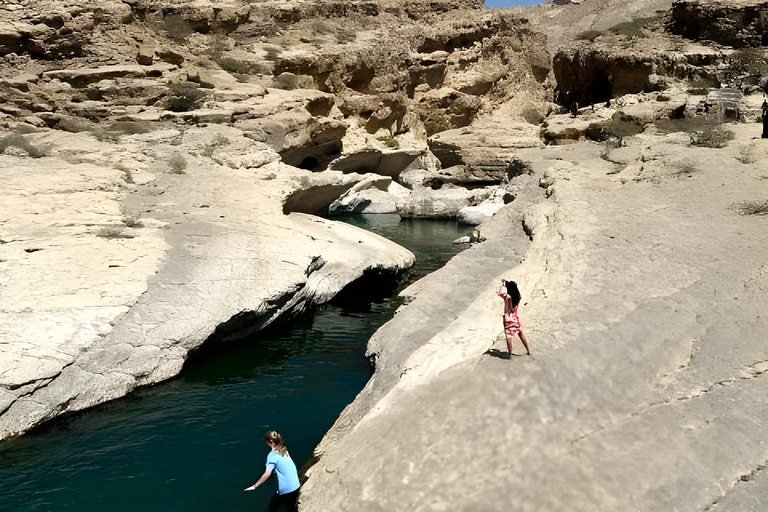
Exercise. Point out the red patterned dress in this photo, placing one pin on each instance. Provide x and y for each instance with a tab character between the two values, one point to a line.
511	321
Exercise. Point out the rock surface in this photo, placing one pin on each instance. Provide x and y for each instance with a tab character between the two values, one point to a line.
117	262
168	205
643	303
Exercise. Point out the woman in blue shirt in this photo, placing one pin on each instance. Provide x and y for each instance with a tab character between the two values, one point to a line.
280	462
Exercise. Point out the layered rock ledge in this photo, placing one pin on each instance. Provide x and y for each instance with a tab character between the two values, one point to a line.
116	263
164	159
644	291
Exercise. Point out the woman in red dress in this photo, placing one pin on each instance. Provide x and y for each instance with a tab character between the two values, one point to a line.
511	295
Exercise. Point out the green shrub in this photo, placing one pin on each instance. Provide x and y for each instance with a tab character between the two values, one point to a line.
345	36
177	27
712	137
177	163
131	219
435	125
211	147
113	232
186	97
273	52
635	28
589	35
322	27
390	142
746	68
231	65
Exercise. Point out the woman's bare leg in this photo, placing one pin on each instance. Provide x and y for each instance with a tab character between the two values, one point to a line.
522	338
509	344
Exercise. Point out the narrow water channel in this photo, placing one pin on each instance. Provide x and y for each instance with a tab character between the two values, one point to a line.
194	443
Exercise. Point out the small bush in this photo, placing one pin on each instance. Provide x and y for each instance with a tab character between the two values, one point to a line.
113	132
746	69
712	137
635	28
390	142
272	53
589	35
231	65
211	147
113	232
345	36
131	219
753	207
322	27
177	27
435	125
185	97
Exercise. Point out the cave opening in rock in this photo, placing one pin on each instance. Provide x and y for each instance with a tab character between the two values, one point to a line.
313	158
308	163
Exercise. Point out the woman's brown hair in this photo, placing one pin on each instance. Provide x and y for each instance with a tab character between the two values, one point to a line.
274	439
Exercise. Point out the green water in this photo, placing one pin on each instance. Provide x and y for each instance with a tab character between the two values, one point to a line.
194	443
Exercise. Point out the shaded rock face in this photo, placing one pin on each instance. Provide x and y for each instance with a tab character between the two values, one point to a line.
738	24
50	30
585	76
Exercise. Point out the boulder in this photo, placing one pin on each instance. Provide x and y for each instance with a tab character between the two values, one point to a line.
442	203
375	194
486	148
146	56
476	215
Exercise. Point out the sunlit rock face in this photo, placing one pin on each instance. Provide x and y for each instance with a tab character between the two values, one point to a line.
164	161
169	167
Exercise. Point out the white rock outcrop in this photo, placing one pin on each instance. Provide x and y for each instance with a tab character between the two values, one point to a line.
115	262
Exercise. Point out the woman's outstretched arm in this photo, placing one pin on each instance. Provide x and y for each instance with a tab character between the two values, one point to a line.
261	480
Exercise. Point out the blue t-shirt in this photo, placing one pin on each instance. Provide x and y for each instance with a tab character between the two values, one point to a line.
287	476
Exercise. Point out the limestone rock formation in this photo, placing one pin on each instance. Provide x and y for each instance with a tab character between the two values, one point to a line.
737	24
121	260
199	133
636	397
165	162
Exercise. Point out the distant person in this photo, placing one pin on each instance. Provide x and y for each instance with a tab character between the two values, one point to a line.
511	295
278	460
765	119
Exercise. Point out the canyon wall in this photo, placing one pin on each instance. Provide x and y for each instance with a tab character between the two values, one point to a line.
171	170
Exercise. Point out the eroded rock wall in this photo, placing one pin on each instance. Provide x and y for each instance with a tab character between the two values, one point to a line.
200	132
738	24
118	261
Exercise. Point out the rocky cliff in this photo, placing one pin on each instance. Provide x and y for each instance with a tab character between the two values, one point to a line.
640	257
162	158
171	168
